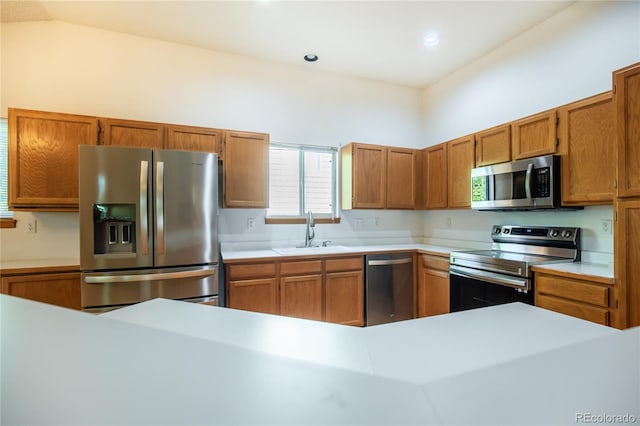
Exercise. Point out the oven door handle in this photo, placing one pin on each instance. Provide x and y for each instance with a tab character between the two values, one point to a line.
490	277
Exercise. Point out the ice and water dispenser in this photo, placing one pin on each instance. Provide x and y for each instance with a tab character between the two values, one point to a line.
114	228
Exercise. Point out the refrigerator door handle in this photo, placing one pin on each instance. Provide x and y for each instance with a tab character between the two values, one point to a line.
144	210
160	207
105	279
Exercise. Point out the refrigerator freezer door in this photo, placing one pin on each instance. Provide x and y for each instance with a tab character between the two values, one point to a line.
186	206
115	203
101	290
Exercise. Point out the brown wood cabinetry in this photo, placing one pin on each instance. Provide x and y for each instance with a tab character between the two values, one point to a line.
401	178
327	288
253	287
534	135
364	169
627	260
587	145
344	291
62	289
140	134
460	161
191	138
433	285
580	298
435	176
246	169
626	83
301	289
43	158
493	145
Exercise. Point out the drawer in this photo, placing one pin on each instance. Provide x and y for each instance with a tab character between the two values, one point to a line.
254	270
435	262
299	268
568	288
577	310
345	264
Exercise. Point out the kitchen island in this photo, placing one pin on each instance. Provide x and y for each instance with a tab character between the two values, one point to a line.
170	362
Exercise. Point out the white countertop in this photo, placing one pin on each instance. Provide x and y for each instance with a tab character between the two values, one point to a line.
513	364
581	268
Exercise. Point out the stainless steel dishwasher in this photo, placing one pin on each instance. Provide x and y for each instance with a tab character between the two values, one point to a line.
389	288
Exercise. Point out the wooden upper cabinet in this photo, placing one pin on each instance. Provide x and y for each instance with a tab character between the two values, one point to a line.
587	145
493	145
534	135
401	178
191	138
43	158
363	176
626	83
435	177
460	161
246	169
140	134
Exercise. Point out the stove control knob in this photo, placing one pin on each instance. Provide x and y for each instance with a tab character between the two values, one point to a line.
566	233
554	233
497	230
506	231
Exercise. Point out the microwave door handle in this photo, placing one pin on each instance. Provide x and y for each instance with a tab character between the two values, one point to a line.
144	208
527	183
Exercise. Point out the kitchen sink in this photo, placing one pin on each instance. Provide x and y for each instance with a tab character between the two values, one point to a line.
312	250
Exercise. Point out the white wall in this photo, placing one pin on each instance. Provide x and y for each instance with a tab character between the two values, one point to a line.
55	66
568	57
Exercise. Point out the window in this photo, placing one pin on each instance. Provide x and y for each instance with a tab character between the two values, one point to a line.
4	175
302	178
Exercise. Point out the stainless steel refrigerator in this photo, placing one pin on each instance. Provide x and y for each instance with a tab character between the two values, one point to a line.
148	226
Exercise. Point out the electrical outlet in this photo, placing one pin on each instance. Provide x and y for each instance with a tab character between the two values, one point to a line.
359	222
251	223
605	226
31	226
376	220
448	221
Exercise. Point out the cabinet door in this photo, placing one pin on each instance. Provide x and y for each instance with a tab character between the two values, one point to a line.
131	133
246	170
587	145
460	161
627	261
344	294
190	138
401	178
534	135
56	289
43	158
301	296
259	295
435	176
433	292
627	104
493	145
369	176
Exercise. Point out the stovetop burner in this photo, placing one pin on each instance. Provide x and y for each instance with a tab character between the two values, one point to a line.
516	248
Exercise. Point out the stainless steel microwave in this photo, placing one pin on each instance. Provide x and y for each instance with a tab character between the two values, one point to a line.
533	183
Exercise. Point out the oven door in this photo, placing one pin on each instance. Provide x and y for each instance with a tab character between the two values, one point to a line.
473	288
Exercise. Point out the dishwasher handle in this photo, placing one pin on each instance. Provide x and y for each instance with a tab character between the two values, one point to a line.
390	262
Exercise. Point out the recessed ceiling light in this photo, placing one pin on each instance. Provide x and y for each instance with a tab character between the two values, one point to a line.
310	57
431	39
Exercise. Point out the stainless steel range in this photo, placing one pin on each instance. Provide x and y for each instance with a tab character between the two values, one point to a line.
503	274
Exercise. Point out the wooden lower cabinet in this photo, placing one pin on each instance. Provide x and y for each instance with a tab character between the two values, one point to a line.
61	289
580	298
329	289
627	260
433	285
301	297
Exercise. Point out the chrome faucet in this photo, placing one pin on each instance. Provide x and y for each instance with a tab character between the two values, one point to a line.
311	233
